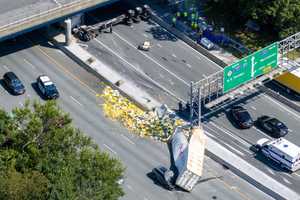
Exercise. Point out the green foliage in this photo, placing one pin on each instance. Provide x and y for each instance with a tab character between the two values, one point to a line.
43	157
277	17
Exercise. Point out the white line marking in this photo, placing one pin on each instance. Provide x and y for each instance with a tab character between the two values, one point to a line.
159	45
144	34
269	170
150	58
110	149
283	107
231	134
126	138
232	148
285	180
174	55
296	174
5	67
253	107
129	187
211	135
132	66
57	2
205	76
190	66
286	174
263	133
290	130
76	101
29	63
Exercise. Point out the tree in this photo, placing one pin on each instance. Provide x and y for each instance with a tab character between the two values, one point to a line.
42	153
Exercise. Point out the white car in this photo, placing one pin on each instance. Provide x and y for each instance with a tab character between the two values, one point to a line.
206	43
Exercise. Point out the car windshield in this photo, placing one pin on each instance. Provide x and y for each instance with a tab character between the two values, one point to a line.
244	115
16	82
281	125
50	87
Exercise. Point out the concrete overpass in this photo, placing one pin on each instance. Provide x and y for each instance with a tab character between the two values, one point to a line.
19	16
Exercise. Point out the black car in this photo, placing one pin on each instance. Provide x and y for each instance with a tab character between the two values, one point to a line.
273	126
13	83
241	117
161	175
47	87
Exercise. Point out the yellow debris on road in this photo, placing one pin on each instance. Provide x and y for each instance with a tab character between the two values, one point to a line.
143	123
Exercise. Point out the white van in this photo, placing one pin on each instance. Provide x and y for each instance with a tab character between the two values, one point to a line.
281	151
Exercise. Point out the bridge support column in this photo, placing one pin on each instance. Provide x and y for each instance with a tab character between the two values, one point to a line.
68	31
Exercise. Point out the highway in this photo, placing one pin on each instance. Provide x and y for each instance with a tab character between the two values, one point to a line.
31	56
172	64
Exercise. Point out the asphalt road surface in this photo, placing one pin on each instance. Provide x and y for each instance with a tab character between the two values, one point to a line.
172	64
78	91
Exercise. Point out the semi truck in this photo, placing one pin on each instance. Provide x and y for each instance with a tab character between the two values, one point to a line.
282	151
290	81
188	155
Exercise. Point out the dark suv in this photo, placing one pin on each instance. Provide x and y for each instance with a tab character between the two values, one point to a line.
241	117
13	83
47	87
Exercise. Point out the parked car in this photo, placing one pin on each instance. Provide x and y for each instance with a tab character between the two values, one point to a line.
273	126
206	43
13	83
161	175
241	117
47	87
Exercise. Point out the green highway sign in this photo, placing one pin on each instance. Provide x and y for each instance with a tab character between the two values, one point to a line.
250	67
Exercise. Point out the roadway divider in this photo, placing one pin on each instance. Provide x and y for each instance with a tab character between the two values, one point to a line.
213	149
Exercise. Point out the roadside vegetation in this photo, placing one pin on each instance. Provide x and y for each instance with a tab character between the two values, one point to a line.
42	156
256	23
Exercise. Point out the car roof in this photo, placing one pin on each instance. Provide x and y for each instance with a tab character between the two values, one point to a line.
44	78
275	121
11	75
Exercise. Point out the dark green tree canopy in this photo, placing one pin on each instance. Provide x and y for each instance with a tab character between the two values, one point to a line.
42	156
279	17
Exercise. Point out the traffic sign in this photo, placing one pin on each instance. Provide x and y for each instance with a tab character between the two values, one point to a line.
250	67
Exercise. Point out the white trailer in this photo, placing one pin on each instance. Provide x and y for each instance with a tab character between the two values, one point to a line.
188	157
281	151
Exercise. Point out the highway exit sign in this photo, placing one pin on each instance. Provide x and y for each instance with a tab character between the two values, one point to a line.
250	67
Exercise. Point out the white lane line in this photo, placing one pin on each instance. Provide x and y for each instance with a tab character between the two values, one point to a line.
286	174
290	130
269	170
159	45
150	58
253	107
57	2
144	34
287	181
129	187
126	138
5	67
109	148
234	149
210	135
137	70
231	134
205	76
76	101
174	55
29	63
263	133
190	66
296	174
283	107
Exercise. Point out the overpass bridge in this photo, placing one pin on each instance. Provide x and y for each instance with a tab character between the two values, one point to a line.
17	17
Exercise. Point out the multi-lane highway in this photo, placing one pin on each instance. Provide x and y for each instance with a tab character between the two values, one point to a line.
172	64
32	55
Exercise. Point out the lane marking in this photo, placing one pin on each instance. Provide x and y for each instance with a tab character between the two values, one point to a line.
5	67
145	35
253	107
159	45
110	149
29	63
135	69
269	137
269	170
126	138
205	76
129	187
190	66
234	149
150	58
282	106
296	174
287	181
210	135
231	134
76	101
174	55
